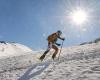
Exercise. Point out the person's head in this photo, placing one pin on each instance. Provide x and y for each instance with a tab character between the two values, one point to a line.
59	32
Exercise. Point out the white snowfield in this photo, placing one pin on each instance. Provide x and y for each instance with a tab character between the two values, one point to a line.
75	63
11	49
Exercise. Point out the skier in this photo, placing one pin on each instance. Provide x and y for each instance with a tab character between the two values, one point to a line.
52	39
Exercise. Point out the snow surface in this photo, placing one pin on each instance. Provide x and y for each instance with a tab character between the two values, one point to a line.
11	49
75	63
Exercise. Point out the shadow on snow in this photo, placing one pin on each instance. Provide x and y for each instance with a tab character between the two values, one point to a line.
37	69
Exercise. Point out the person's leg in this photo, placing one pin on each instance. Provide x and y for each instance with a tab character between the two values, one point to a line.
56	51
43	56
48	49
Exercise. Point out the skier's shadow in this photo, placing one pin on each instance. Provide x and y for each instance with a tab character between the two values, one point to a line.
27	74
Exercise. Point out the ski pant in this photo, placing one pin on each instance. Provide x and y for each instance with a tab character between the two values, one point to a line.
50	45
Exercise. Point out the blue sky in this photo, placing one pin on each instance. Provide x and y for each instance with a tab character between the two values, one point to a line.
29	22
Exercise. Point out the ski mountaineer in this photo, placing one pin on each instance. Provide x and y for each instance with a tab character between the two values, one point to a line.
52	39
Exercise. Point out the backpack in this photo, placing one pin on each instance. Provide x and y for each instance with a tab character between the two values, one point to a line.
52	38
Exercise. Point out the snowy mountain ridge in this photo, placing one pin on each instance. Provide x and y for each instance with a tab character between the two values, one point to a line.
94	41
11	49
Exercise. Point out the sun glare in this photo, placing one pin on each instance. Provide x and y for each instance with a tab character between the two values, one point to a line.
79	16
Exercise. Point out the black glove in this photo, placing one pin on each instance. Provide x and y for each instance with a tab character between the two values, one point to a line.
63	39
58	44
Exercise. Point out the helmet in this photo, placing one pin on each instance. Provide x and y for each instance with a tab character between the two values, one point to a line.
59	32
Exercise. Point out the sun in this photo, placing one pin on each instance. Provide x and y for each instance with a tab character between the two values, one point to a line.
79	16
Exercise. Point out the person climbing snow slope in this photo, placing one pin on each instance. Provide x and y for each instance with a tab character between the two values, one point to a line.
52	43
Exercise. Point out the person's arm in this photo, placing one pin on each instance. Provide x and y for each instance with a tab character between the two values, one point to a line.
61	38
57	44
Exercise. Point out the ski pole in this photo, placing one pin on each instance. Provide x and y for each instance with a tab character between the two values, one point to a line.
60	49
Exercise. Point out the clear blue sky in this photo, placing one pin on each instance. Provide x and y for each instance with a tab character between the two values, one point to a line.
29	22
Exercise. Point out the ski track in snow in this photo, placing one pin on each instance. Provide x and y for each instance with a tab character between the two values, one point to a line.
76	63
35	70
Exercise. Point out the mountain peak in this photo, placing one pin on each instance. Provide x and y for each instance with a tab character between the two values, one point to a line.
12	49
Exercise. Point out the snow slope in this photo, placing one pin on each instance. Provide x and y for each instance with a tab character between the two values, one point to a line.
76	63
12	49
14	57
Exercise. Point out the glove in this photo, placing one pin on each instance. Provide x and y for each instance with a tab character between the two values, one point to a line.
63	39
58	44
